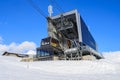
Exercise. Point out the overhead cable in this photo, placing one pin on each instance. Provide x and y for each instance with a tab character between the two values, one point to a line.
37	8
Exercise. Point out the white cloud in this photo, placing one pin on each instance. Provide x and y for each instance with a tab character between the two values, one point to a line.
1	39
3	48
24	47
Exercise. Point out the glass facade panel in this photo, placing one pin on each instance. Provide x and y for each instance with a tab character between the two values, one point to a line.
42	53
86	36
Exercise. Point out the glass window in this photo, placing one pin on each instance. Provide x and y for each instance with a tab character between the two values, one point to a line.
86	36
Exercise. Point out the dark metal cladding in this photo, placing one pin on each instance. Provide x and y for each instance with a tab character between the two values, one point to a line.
87	38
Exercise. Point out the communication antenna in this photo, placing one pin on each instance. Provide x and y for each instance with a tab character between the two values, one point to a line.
50	11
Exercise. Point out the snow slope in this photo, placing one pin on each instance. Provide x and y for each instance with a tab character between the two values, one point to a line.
105	69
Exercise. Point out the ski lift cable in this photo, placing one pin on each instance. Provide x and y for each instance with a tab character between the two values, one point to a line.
57	6
37	8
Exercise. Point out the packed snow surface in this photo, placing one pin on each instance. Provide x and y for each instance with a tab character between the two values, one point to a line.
104	69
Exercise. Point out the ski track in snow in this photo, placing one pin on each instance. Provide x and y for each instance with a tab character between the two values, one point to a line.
105	69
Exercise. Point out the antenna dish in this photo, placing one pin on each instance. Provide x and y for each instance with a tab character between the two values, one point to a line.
50	11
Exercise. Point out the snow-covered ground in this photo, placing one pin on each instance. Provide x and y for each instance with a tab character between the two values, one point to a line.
105	69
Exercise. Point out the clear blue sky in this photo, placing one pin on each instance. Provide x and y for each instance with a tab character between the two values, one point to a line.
19	21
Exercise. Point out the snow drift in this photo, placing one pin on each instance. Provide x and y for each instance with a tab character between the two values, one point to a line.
104	69
112	56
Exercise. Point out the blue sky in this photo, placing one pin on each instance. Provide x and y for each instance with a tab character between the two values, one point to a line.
20	22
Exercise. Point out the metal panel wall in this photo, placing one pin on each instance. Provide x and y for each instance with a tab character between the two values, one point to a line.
86	35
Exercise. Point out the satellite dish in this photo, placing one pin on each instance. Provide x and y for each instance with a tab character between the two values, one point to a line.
50	11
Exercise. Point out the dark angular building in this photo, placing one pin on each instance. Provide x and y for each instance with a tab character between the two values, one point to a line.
72	35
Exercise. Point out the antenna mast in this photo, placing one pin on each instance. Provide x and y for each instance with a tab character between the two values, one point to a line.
50	11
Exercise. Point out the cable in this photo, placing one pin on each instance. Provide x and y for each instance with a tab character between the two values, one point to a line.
57	6
37	8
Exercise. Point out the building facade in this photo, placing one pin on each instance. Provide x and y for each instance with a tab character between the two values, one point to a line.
73	36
